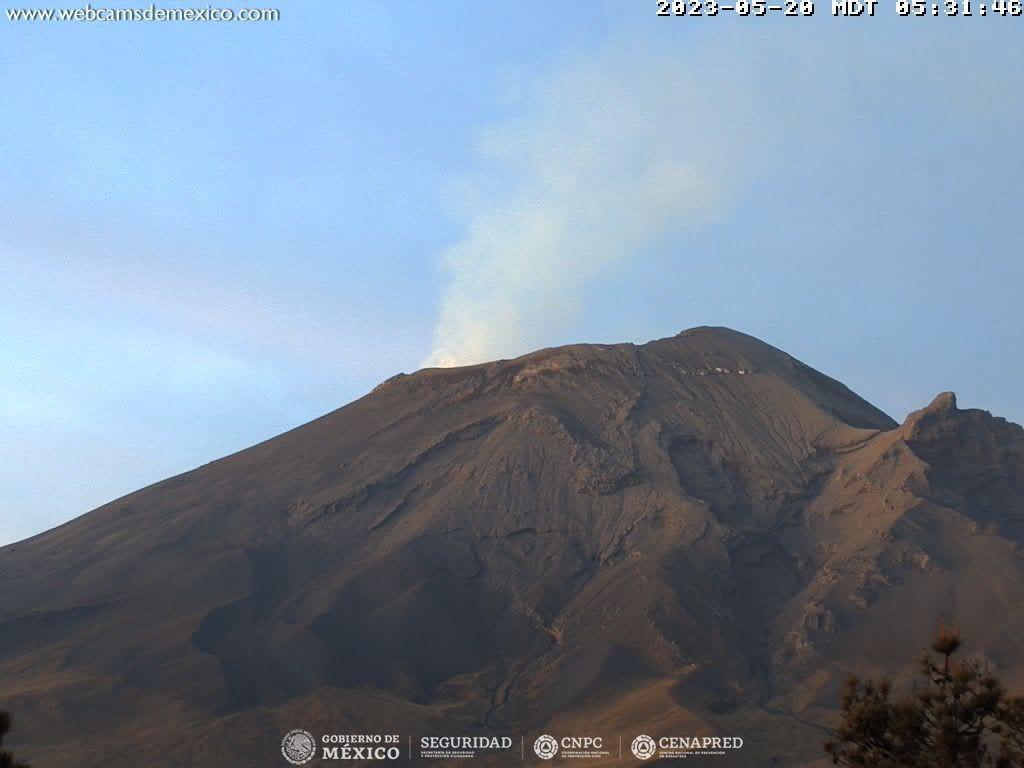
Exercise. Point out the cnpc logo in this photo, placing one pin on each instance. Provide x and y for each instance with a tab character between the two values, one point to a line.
546	747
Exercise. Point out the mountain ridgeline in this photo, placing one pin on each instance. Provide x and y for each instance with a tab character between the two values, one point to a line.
698	535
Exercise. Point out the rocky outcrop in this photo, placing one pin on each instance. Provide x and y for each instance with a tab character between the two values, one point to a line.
699	534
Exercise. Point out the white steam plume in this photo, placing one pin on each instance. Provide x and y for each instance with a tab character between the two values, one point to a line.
604	160
618	149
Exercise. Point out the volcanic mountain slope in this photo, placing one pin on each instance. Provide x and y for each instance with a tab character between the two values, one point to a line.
698	535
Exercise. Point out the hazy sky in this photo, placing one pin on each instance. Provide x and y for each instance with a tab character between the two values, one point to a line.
214	232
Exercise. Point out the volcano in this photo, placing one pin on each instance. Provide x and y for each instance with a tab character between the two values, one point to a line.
698	535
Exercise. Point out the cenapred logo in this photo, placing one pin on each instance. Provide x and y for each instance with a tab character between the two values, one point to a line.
546	747
298	746
643	747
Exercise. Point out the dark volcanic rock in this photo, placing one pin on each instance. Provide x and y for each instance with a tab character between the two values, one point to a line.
696	535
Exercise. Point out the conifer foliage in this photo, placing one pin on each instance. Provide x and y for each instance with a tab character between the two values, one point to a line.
6	758
961	717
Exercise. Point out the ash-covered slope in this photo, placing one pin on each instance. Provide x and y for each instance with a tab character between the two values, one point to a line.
698	534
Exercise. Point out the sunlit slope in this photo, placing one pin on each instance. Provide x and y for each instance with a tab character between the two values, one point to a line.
699	534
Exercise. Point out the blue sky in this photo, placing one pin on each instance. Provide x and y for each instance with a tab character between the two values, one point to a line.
216	232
